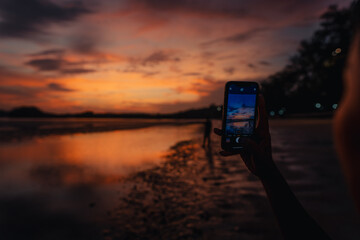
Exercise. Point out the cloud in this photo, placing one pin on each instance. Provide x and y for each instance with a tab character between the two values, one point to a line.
242	37
250	65
138	64
19	91
85	43
77	71
265	63
257	11
229	70
57	65
200	87
236	38
209	8
59	87
11	76
159	57
192	74
24	18
53	51
210	91
134	69
213	93
46	64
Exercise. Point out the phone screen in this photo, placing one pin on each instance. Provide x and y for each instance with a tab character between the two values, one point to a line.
239	112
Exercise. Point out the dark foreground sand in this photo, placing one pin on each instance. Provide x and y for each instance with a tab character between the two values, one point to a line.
197	194
194	195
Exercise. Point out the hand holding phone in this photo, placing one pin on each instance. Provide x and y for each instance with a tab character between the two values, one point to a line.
254	147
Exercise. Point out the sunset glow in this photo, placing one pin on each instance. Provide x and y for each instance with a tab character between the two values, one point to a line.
143	55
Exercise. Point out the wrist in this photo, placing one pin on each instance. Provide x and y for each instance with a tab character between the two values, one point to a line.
268	171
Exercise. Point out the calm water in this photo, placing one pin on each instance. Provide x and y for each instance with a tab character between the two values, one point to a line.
70	181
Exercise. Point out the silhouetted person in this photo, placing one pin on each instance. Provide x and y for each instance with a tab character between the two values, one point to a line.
347	118
207	131
294	221
209	156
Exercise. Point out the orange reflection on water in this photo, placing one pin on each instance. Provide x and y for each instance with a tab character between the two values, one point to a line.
117	152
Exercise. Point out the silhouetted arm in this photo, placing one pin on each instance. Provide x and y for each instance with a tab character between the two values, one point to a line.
294	221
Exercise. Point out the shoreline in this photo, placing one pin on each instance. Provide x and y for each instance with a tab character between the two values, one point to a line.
21	129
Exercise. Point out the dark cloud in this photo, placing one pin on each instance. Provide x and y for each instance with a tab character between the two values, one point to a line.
59	87
242	37
226	57
207	54
229	70
46	64
265	63
135	69
273	12
192	74
58	65
19	91
84	43
237	38
250	65
209	8
26	18
53	51
156	58
159	57
77	71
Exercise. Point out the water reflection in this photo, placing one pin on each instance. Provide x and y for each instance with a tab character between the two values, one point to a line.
111	152
60	187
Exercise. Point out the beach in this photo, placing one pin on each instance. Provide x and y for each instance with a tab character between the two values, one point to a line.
156	181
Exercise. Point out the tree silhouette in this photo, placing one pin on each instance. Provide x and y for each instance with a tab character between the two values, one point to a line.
312	80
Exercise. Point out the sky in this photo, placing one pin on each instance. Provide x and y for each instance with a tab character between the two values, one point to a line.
153	56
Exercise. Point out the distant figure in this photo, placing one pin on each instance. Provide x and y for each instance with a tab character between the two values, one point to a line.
207	131
210	158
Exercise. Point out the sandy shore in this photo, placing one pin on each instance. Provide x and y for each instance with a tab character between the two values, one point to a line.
195	194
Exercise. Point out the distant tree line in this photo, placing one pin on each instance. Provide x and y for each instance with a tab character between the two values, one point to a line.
212	111
312	80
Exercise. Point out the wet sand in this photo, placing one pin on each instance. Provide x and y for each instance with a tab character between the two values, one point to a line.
194	195
197	194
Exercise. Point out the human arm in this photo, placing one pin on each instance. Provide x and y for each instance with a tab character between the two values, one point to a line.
294	221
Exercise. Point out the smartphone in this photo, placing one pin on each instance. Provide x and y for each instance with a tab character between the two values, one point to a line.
239	113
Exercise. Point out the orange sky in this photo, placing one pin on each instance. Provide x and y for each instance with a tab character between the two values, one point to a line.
143	55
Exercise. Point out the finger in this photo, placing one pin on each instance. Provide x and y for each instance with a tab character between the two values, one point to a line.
263	118
250	147
218	131
226	154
